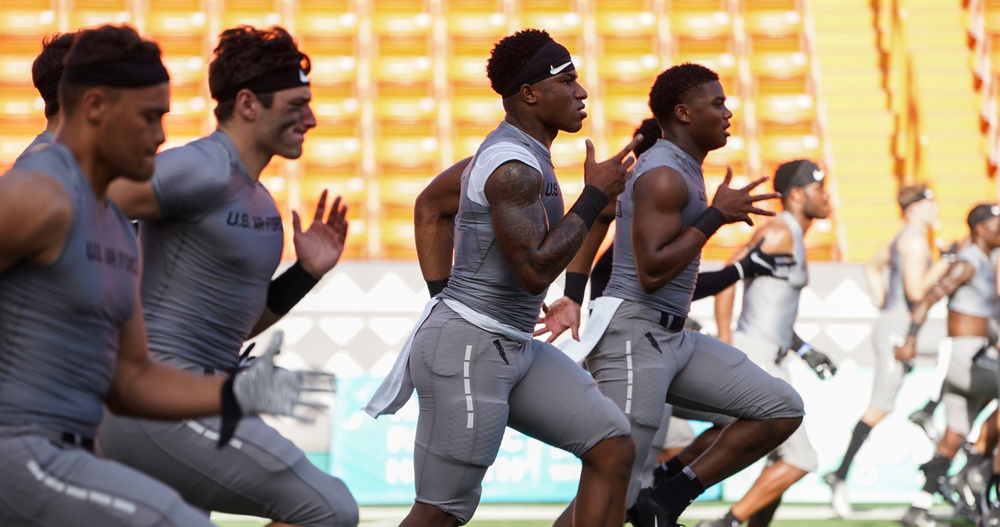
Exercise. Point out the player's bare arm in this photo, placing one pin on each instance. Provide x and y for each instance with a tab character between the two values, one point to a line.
957	274
135	199
434	223
36	214
873	274
917	277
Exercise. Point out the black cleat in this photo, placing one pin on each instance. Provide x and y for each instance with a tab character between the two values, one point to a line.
917	517
925	420
648	513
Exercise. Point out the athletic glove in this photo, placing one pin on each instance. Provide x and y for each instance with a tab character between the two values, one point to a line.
759	263
818	361
263	388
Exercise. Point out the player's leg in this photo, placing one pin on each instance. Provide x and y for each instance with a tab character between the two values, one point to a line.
49	484
558	403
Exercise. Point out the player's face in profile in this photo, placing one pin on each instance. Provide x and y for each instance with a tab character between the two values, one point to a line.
991	230
709	116
285	123
561	99
928	210
817	200
133	129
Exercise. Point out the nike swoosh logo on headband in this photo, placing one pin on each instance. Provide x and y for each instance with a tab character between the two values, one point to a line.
303	78
554	70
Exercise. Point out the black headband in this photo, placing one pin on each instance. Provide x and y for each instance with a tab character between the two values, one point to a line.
925	194
138	72
806	173
292	76
551	59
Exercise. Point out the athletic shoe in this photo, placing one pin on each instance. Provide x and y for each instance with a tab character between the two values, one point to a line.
967	490
925	420
716	523
648	513
839	500
917	517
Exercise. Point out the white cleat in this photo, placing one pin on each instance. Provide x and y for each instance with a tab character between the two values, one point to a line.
839	501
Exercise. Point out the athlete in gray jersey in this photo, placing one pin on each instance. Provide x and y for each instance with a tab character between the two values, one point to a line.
46	70
765	331
910	275
644	357
70	310
480	277
472	360
971	380
213	238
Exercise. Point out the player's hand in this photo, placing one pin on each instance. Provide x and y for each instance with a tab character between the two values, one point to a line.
611	175
737	204
906	351
264	388
320	246
820	363
758	263
563	314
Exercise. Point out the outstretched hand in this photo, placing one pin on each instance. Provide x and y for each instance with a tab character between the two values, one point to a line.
321	245
609	176
563	314
737	204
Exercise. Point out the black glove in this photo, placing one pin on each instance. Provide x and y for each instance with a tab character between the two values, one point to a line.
759	263
948	253
819	362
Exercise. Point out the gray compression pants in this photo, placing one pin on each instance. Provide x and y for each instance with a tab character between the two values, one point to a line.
797	451
259	473
639	364
970	384
472	384
47	483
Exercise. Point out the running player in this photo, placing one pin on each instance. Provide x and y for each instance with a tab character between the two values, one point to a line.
213	237
911	274
46	71
765	330
971	287
70	310
644	357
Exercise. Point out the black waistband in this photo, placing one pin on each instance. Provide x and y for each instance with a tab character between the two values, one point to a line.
672	323
77	440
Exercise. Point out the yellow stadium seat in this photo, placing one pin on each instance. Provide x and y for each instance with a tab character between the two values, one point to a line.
394	24
482	109
776	22
30	18
776	149
402	69
396	238
407	151
779	64
325	19
96	12
701	24
630	68
258	13
626	23
785	108
337	181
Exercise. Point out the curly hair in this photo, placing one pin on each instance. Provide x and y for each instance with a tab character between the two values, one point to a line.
46	70
244	52
672	86
511	53
98	46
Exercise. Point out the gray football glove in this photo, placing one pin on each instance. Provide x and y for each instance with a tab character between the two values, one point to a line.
759	263
820	363
263	388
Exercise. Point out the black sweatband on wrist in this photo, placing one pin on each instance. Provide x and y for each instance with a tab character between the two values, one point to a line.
914	329
709	221
436	286
231	412
710	283
589	205
576	285
286	290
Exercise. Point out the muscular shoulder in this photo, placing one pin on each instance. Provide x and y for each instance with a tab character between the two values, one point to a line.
776	235
40	206
912	243
192	177
513	181
662	186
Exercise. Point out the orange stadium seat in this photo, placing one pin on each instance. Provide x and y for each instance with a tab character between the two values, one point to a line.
259	13
96	12
29	18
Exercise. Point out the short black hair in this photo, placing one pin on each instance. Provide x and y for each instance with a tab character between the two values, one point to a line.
981	213
673	84
244	52
98	46
650	131
511	53
46	70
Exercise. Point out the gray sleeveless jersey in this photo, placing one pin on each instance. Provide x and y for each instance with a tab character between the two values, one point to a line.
60	323
210	258
480	278
895	294
675	296
43	138
771	304
978	296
